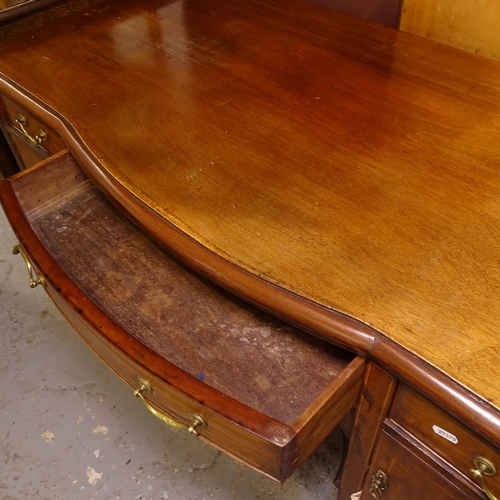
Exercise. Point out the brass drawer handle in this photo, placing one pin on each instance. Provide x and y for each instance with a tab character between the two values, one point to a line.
18	249
484	467
145	386
38	139
197	420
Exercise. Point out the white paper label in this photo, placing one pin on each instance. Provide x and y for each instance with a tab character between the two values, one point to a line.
445	434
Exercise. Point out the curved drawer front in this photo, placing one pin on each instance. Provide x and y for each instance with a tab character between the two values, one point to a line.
445	435
256	451
258	389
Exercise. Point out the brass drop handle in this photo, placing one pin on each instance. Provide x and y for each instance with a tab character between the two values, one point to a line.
484	467
38	139
145	386
34	279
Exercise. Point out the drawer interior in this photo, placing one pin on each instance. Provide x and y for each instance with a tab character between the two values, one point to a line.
219	340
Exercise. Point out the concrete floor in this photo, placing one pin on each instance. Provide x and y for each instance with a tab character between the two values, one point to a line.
71	430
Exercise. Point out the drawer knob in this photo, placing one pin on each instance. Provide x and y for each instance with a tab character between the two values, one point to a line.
23	123
34	279
379	483
197	421
484	467
145	386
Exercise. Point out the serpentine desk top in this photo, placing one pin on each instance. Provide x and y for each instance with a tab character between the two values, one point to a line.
348	166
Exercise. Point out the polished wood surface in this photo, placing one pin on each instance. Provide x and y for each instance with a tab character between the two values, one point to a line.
472	26
338	173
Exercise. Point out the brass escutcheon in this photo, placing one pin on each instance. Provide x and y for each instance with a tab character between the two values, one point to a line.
379	483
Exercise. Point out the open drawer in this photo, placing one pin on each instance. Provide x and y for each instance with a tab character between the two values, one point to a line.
254	387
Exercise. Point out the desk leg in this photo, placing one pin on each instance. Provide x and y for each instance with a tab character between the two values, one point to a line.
8	165
376	398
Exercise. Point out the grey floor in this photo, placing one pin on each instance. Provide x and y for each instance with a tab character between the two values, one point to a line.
71	430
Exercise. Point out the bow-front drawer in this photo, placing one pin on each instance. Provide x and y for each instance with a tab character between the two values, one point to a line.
198	358
30	138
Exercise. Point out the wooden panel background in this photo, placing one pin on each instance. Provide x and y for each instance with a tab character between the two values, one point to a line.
9	3
472	26
380	11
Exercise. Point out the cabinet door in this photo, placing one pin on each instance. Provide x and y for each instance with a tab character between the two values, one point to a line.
413	472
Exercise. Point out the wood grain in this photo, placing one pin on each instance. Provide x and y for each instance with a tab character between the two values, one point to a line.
315	424
376	396
377	201
472	26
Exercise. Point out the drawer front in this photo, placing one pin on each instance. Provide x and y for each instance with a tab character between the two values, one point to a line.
443	434
179	409
19	122
274	454
225	435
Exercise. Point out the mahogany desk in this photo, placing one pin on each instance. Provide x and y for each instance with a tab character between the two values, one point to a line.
340	175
